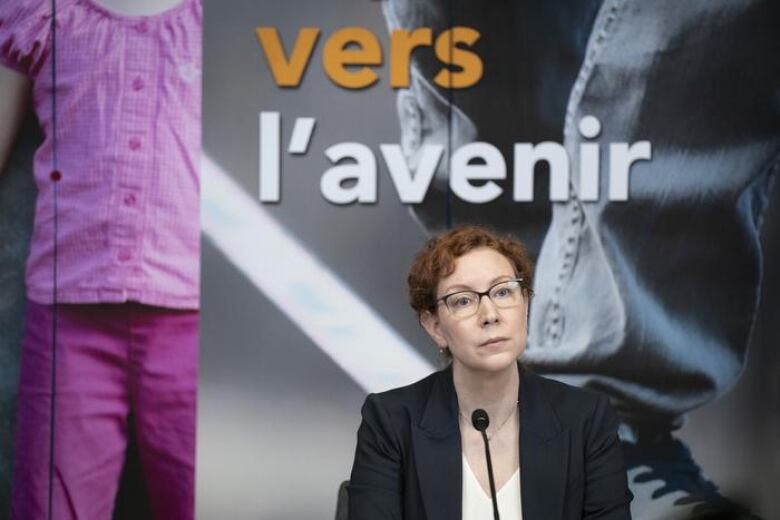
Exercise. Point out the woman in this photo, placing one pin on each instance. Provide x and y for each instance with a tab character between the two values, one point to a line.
554	448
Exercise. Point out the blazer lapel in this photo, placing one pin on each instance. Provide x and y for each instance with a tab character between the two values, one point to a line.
544	453
437	452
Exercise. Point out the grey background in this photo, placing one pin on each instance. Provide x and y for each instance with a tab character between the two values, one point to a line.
17	199
277	418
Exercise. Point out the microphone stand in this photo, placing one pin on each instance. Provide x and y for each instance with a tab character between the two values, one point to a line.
481	421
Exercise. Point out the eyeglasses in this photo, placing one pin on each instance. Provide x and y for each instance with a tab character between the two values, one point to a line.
506	294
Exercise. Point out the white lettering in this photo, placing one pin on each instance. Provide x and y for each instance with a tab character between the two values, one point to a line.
462	172
362	170
526	156
473	167
411	187
621	157
270	160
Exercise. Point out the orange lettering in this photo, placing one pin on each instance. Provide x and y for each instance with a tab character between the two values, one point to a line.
402	43
287	73
336	57
469	62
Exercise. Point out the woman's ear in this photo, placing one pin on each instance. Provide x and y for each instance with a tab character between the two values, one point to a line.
431	324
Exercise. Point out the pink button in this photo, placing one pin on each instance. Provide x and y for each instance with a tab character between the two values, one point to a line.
138	84
134	143
129	200
124	254
142	27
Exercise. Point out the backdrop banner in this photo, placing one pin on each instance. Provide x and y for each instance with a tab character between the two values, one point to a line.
632	146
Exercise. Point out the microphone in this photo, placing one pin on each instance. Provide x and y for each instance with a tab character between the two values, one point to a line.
480	421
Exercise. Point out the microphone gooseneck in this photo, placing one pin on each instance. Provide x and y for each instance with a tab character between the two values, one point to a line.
480	421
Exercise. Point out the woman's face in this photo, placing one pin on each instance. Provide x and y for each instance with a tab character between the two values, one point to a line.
493	338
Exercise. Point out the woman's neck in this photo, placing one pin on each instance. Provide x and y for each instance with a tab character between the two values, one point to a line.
494	392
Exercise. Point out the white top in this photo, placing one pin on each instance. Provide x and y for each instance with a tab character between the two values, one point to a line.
477	505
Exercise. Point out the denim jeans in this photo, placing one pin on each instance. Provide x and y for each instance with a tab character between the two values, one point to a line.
651	300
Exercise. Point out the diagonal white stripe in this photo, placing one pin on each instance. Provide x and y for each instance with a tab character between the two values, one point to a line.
337	320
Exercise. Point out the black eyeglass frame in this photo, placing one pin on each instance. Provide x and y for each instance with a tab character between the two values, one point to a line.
527	290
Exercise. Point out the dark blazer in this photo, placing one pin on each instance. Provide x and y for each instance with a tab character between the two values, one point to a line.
408	457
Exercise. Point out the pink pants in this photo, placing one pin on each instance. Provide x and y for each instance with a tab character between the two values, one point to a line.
111	360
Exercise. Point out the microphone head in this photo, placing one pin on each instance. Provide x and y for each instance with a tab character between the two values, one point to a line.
480	419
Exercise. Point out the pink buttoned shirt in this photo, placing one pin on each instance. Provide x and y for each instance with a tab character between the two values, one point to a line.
128	92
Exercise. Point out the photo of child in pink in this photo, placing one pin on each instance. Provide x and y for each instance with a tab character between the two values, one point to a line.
113	270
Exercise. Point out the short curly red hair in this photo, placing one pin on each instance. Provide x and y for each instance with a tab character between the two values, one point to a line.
436	261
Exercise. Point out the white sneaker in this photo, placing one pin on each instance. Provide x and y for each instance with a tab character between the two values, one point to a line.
668	485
